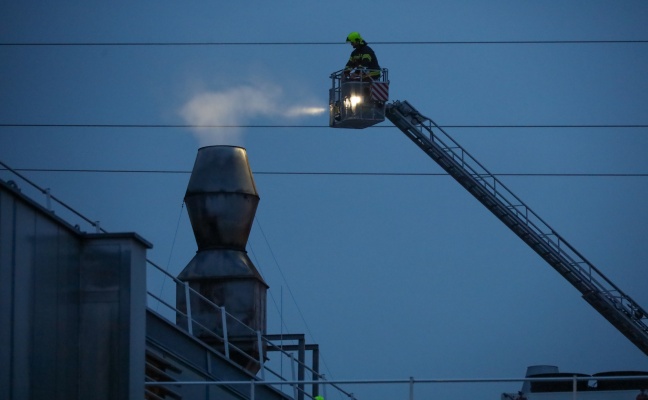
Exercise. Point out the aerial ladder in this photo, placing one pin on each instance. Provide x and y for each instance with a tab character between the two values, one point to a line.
366	110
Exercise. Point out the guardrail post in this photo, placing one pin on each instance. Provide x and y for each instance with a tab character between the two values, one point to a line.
316	374
301	357
260	347
411	388
252	389
292	370
225	338
188	303
48	199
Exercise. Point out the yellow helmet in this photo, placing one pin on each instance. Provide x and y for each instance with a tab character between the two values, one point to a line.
354	37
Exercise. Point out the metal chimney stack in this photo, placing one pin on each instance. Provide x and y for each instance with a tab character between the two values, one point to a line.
221	200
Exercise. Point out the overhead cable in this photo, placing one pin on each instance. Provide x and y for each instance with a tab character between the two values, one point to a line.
435	42
210	126
329	173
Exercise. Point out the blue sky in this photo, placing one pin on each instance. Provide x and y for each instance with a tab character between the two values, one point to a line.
395	276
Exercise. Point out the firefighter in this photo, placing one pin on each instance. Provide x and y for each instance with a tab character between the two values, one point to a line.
362	56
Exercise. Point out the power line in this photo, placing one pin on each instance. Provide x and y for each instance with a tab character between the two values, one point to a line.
325	173
191	126
439	42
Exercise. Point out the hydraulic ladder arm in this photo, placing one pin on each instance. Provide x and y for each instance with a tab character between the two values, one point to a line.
617	307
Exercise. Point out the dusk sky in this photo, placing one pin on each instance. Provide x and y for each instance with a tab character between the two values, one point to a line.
367	245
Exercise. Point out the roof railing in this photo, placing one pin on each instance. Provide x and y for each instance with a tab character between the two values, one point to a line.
203	333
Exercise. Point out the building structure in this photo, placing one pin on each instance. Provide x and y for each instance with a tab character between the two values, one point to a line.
75	315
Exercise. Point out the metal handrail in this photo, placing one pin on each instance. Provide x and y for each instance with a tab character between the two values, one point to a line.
363	74
411	382
321	378
49	197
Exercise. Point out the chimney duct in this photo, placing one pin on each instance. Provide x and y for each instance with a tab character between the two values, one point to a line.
221	201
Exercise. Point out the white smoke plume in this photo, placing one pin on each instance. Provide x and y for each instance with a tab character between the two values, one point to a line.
220	117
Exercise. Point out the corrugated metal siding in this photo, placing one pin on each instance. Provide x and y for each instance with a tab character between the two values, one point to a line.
72	307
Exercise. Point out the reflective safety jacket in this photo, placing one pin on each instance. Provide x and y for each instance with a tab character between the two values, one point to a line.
364	57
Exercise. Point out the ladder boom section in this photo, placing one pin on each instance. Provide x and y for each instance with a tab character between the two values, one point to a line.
617	307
